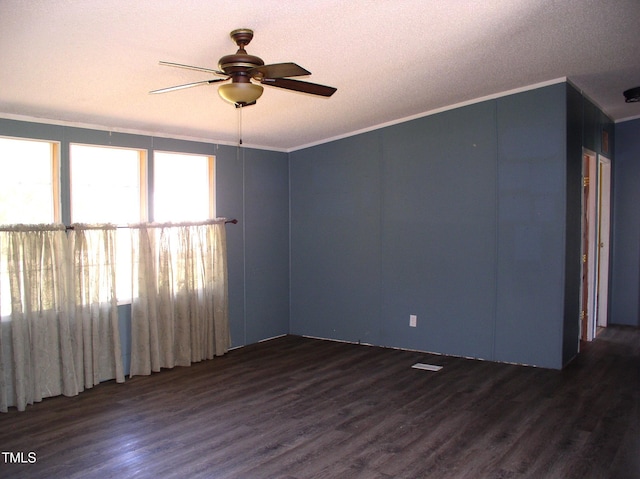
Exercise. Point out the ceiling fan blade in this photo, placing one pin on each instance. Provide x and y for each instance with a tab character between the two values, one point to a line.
187	85
280	70
189	67
301	86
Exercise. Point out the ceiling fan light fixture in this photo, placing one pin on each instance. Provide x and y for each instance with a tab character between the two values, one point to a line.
240	93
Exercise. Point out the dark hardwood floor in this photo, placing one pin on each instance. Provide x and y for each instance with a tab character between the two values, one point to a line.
294	408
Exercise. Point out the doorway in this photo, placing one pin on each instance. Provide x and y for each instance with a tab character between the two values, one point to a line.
596	211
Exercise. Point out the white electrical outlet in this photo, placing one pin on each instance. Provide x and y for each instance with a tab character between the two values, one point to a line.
413	320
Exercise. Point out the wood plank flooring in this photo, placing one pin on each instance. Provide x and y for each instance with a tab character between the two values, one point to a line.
298	408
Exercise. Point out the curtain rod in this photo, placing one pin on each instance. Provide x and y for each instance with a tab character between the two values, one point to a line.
233	221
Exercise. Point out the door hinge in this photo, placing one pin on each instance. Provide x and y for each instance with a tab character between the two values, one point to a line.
585	181
584	258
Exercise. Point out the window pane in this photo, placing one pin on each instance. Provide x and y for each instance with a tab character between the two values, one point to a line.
105	185
26	181
181	187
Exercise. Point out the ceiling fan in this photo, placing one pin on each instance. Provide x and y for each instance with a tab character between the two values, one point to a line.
244	69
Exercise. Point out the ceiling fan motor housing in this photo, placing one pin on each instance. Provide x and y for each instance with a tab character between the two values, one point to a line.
238	64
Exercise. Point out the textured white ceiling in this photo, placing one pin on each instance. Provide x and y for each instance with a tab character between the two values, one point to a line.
93	62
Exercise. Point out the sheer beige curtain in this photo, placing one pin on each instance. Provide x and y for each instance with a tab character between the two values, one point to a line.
179	313
98	355
37	341
58	312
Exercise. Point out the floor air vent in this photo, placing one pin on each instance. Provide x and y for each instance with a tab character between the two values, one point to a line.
427	367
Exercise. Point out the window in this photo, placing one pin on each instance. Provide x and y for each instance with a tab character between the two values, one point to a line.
29	181
183	187
108	185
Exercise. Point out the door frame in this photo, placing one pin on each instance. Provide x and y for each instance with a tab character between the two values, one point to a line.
596	233
604	239
589	252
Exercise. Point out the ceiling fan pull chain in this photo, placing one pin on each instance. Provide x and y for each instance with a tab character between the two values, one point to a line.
239	108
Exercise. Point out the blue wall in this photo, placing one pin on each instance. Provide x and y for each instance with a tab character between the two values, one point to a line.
532	163
459	218
335	240
252	186
625	267
439	232
573	216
